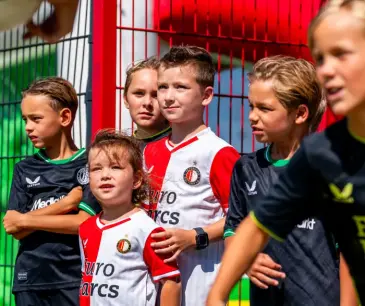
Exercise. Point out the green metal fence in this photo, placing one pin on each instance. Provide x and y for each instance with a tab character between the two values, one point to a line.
20	63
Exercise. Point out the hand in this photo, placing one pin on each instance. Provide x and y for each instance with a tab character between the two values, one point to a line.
75	196
12	221
173	241
264	271
57	25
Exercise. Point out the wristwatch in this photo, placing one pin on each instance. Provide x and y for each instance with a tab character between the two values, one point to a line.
201	238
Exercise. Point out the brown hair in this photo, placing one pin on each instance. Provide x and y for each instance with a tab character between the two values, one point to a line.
356	7
198	57
60	92
294	83
115	144
149	63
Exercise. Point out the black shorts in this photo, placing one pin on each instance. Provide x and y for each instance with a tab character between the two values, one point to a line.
59	297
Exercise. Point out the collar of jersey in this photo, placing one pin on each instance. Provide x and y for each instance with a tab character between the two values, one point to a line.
103	226
358	138
173	148
153	136
43	156
275	163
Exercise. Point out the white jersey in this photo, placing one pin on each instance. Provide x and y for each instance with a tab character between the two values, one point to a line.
119	267
190	188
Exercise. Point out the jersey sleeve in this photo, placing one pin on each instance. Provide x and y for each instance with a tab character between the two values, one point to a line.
295	197
89	202
155	262
18	198
221	172
237	209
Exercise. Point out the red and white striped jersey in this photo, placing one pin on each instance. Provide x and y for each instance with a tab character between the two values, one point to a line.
119	267
190	186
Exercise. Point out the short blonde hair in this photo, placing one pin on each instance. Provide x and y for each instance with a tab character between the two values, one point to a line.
356	7
294	83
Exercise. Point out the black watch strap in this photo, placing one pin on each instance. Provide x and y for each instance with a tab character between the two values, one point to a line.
199	231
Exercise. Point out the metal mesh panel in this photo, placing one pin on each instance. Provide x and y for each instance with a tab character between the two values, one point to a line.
20	63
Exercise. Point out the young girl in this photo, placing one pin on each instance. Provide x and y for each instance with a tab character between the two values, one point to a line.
286	104
326	176
140	97
119	266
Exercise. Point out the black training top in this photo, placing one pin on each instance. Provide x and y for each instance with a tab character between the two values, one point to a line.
48	260
159	135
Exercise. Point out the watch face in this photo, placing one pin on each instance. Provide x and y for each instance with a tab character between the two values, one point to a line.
202	240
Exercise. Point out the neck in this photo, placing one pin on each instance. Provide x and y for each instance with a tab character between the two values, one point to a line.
142	132
284	150
356	122
64	148
182	132
112	214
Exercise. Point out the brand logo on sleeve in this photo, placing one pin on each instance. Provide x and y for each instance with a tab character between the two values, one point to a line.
344	195
251	189
33	183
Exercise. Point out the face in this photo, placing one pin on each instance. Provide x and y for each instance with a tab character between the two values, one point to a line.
42	123
180	97
339	48
269	119
111	183
141	100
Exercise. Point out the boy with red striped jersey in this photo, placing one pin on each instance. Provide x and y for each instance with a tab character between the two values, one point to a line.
119	267
190	172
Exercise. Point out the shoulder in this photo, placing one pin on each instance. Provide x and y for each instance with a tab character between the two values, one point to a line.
144	223
155	145
87	224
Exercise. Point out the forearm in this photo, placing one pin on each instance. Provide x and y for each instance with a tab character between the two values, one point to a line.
348	292
170	293
228	241
215	230
238	257
63	224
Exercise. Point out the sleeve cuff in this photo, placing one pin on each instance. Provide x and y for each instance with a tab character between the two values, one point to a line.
264	228
83	206
228	233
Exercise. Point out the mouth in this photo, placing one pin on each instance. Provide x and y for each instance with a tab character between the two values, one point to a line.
106	187
334	93
145	114
256	130
33	138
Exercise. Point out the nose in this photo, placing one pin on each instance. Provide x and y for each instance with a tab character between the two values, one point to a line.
29	126
105	174
326	70
148	102
169	96
252	116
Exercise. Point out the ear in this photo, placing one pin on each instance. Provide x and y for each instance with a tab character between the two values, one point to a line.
302	114
126	104
208	95
65	117
137	180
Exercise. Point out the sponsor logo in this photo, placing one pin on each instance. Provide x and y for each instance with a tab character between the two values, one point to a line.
344	195
163	196
83	176
307	224
41	204
192	176
167	217
23	276
124	246
251	190
33	183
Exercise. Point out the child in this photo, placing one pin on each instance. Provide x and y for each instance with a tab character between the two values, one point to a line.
119	266
47	268
326	176
190	172
140	97
286	104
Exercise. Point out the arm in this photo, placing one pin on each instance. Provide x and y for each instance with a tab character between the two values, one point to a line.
237	258
58	24
348	292
65	205
170	293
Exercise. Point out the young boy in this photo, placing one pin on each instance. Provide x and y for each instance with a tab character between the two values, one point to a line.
326	175
119	266
286	104
48	265
140	97
190	172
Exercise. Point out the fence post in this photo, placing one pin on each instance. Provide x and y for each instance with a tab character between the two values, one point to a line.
103	65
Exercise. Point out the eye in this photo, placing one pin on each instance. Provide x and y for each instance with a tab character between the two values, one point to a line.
162	87
250	106
139	93
94	169
179	86
116	167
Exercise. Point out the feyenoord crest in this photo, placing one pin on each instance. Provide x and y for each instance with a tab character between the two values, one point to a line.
192	176
83	176
124	246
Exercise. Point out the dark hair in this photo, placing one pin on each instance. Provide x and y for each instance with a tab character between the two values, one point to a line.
149	63
115	144
60	92
198	57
